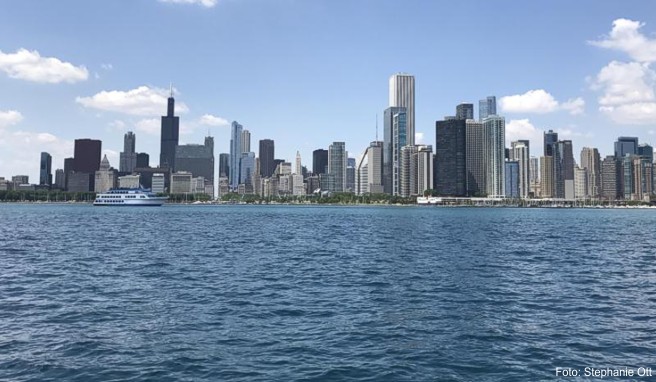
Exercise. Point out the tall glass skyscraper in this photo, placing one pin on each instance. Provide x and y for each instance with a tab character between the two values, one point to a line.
170	134
487	107
45	170
235	154
267	155
495	137
450	170
395	135
402	94
626	145
337	166
128	158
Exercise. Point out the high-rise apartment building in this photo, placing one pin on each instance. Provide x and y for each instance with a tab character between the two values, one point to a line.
128	157
450	167
546	176
45	170
581	183
245	141
408	173
494	130
402	94
512	179
520	152
369	170
534	176
235	154
591	162
425	162
267	155
337	159
474	158
563	170
487	107
395	136
170	134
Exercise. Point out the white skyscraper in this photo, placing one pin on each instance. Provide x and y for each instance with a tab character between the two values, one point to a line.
402	94
494	131
519	151
245	141
299	168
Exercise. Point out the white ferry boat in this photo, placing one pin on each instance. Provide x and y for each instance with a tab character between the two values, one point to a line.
129	197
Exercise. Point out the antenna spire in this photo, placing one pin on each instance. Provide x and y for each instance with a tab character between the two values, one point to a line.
376	127
171	88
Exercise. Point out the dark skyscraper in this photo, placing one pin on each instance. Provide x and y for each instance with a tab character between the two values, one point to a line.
626	145
87	155
465	111
45	172
563	170
196	159
68	168
143	160
549	139
128	158
450	176
170	135
224	165
267	167
319	161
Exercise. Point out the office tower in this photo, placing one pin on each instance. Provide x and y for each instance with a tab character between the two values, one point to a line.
143	160
580	183
128	157
86	157
169	136
257	178
425	161
369	170
549	139
494	131
298	168
647	179
45	170
465	111
196	159
646	151
235	154
563	167
408	173
487	107
105	177
60	182
512	179
534	176
546	176
224	165
245	141
628	177
68	168
474	158
402	94
246	168
319	161
626	145
450	167
520	152
395	136
591	162
337	165
350	174
267	155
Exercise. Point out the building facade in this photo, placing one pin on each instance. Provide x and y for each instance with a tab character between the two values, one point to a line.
170	135
450	167
494	153
337	158
402	94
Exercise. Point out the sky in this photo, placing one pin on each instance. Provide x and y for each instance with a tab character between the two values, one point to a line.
306	73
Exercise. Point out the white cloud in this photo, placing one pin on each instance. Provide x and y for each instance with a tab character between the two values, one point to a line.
419	138
205	3
22	150
143	101
626	37
30	66
107	66
539	101
211	120
150	126
117	125
10	118
640	113
522	129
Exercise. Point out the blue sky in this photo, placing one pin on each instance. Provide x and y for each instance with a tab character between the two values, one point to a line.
309	72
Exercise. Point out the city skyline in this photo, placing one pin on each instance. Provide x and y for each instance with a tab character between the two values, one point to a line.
102	94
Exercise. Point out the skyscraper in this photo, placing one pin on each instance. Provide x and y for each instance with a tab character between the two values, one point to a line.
519	151
337	165
626	145
450	167
550	137
425	162
395	137
169	135
591	162
105	178
86	156
369	170
494	130
319	161
245	141
474	158
128	158
267	155
298	168
408	173
512	179
646	152
487	107
246	168
196	159
45	170
143	160
581	183
563	166
68	168
402	94
224	165
465	111
546	176
235	154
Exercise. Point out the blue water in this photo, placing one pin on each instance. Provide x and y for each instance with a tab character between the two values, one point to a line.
286	293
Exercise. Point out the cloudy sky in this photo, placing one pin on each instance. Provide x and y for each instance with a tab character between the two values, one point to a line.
309	72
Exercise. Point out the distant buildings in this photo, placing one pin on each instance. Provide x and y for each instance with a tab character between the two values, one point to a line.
45	170
235	154
196	159
320	161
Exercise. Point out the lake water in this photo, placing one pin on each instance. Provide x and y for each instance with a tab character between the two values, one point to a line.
284	293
